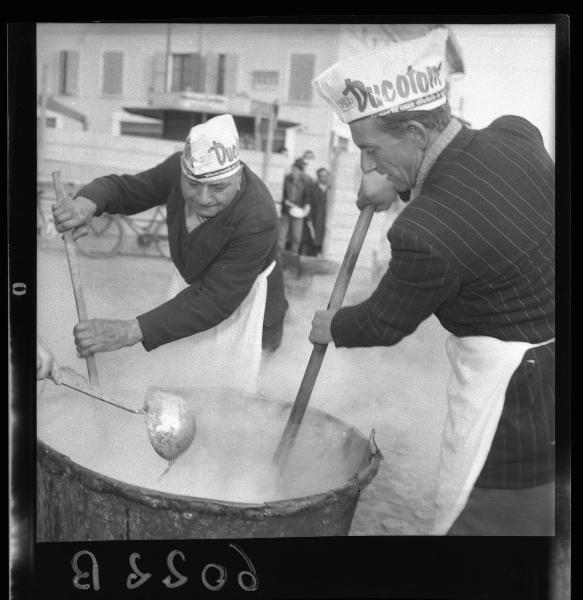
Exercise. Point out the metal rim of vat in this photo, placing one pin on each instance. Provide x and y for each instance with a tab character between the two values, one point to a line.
167	501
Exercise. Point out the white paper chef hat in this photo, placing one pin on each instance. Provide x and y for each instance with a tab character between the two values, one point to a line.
407	75
211	151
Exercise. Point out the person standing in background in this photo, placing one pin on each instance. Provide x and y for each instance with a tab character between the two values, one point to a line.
318	193
294	207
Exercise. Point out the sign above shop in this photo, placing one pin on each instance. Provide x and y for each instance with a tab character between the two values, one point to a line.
194	101
213	104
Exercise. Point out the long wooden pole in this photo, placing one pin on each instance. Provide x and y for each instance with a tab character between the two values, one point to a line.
294	422
75	277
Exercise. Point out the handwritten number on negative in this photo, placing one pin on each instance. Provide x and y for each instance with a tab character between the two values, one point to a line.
137	578
254	585
81	574
180	579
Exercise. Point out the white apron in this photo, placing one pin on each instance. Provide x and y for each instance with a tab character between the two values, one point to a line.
481	370
228	355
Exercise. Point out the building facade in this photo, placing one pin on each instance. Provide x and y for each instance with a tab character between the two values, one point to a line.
113	75
100	69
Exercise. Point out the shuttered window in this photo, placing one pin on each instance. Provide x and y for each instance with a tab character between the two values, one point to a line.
112	73
301	76
211	73
221	71
158	82
187	73
231	82
68	72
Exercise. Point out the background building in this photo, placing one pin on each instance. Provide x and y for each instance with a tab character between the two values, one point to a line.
119	97
103	88
101	69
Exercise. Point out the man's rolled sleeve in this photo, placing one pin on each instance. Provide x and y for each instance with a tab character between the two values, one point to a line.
206	303
416	284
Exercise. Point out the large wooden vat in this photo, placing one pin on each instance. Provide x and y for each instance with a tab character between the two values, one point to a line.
76	503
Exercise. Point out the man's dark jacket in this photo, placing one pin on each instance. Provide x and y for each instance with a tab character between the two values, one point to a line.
476	248
220	259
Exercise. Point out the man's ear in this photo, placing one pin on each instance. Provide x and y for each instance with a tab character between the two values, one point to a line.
419	134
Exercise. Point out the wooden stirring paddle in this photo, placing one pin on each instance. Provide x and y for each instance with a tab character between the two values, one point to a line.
294	422
75	277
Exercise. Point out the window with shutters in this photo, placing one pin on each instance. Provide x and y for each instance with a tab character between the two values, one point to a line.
215	73
159	76
262	80
301	76
68	72
231	80
112	73
187	73
221	71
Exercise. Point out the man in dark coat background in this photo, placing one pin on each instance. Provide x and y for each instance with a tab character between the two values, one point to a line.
294	207
318	193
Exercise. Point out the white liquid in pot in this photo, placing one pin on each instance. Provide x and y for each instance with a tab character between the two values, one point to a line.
229	460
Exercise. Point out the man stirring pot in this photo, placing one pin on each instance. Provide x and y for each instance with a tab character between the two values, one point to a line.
474	246
222	230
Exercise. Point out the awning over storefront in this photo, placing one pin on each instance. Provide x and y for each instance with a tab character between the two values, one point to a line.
161	113
66	111
179	111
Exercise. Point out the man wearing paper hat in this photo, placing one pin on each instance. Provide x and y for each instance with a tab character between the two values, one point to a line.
474	245
222	231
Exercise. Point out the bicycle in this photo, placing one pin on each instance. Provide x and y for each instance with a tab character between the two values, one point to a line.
107	234
155	231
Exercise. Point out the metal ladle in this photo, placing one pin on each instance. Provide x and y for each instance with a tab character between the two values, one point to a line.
170	422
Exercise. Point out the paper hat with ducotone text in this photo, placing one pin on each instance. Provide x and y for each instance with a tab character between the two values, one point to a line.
211	151
406	76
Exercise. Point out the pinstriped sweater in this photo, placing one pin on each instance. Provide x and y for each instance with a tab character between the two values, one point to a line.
476	248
